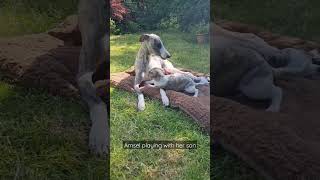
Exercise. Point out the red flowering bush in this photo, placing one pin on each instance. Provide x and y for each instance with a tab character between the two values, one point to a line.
118	10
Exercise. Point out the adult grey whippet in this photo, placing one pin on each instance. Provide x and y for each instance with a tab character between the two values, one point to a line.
153	54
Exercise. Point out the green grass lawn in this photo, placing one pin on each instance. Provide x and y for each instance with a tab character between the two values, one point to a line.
156	122
19	17
42	136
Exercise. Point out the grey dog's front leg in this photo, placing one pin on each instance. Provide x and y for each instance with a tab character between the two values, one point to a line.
99	133
138	79
93	27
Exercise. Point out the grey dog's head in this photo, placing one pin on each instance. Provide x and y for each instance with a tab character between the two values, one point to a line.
154	45
156	73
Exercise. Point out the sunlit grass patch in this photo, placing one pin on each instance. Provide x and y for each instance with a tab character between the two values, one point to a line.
155	123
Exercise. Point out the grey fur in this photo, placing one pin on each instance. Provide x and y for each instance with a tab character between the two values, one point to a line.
177	82
152	55
93	16
243	61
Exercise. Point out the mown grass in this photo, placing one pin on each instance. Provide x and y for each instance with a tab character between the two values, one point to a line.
42	136
156	122
19	17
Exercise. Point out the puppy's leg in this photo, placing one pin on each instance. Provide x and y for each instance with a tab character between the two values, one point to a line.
299	64
196	92
284	72
99	133
199	80
275	99
258	84
192	89
164	97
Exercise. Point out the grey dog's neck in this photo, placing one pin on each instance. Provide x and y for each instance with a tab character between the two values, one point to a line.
143	52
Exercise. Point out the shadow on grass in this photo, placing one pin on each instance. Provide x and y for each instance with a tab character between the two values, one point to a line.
44	137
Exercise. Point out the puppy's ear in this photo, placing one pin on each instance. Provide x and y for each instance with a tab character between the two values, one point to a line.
144	37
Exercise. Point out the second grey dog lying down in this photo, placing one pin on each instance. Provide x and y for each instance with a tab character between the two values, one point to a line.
177	81
246	63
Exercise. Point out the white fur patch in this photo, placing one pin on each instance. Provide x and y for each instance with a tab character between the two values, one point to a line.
164	97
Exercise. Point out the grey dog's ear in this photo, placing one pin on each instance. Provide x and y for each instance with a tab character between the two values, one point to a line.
144	37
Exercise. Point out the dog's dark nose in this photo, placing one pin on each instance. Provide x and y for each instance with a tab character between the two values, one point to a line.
168	55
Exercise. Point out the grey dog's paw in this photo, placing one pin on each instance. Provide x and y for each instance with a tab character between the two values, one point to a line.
99	133
98	140
141	104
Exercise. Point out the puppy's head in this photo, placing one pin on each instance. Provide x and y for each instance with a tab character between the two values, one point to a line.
154	45
156	73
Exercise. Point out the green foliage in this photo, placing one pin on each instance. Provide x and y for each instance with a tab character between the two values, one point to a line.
192	13
289	17
170	23
201	28
113	27
132	26
172	14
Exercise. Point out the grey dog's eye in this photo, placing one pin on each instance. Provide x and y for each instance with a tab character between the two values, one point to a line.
158	44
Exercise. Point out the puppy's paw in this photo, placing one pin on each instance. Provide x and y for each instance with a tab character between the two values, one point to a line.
99	133
98	140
